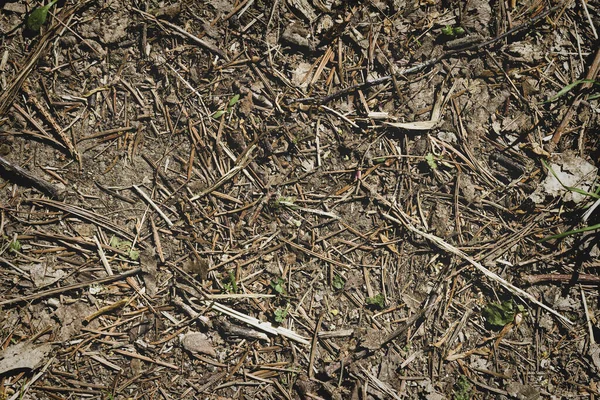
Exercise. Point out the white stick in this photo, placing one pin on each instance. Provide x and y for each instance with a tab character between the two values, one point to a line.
153	205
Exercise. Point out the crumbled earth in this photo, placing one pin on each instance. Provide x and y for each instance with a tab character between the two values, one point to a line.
299	199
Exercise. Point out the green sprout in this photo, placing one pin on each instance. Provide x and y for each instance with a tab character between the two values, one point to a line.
571	86
431	161
453	31
14	246
280	314
230	105
462	389
283	201
338	282
573	189
126	246
278	286
499	315
37	18
376	301
230	284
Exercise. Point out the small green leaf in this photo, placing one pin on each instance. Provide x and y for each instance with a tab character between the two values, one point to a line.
15	246
125	245
234	100
230	284
218	114
280	314
37	18
572	232
278	285
134	255
430	158
448	31
459	31
499	315
377	301
338	282
462	389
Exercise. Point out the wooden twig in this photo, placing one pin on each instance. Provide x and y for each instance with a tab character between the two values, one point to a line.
584	279
147	359
85	215
313	346
8	95
105	309
53	292
404	220
39	183
31	97
153	205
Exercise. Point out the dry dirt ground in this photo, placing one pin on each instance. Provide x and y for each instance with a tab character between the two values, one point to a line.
299	199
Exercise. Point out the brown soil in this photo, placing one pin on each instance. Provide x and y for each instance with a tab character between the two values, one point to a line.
299	199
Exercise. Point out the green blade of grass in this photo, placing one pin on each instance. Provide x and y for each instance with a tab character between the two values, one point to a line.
569	233
570	87
570	188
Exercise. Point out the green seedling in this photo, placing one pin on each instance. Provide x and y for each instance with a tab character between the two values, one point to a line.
230	284
37	18
338	282
126	246
431	161
376	301
14	246
462	389
278	286
570	188
283	201
230	105
453	31
595	195
499	315
280	314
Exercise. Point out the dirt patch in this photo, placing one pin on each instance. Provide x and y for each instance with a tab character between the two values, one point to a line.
300	199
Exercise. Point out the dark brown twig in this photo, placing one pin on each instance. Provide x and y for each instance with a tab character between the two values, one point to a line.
52	292
585	279
18	172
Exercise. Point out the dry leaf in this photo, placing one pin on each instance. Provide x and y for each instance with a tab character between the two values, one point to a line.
196	342
23	355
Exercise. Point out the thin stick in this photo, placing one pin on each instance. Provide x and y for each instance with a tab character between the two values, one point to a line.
153	205
313	346
52	292
197	40
105	309
103	257
40	184
449	248
147	359
585	279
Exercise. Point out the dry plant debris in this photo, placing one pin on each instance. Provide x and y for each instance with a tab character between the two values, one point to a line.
299	199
